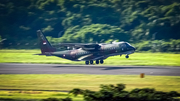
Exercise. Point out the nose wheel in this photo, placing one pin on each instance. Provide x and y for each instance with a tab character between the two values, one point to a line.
127	56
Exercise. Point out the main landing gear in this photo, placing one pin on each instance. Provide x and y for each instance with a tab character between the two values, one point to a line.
97	62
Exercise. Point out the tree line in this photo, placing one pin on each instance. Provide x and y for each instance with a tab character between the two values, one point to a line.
116	92
110	92
90	20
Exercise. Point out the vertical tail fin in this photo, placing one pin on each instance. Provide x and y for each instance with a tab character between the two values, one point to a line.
44	44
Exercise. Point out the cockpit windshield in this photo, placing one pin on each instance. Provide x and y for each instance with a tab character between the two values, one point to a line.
127	44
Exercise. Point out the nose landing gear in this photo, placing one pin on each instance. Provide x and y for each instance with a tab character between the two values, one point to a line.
127	56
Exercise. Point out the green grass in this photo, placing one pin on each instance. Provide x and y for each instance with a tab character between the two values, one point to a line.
31	86
66	82
38	95
152	59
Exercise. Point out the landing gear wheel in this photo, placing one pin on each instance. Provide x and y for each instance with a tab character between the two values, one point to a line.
127	56
101	61
87	62
91	61
97	61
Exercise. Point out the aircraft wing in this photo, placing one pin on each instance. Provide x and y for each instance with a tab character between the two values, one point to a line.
84	46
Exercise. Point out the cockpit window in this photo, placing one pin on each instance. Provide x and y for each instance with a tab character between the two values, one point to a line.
127	44
122	45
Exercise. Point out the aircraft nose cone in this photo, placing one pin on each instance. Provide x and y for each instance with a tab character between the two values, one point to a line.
133	48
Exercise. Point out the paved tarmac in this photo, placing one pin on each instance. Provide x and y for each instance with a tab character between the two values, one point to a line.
13	68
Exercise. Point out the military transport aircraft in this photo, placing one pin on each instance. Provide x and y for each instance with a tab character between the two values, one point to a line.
87	52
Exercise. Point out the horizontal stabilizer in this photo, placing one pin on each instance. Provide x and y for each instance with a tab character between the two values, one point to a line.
47	54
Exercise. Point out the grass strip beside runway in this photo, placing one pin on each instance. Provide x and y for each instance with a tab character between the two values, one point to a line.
149	59
66	82
37	95
41	86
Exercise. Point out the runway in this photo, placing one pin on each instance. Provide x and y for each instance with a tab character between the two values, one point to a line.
13	68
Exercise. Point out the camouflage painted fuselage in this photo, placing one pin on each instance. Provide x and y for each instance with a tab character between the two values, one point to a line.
102	53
